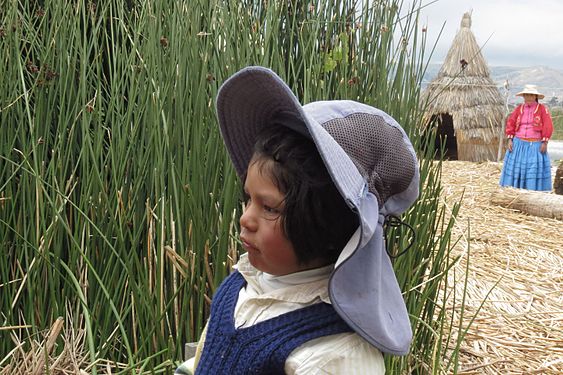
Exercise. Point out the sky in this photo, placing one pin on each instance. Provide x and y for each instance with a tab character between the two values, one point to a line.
511	32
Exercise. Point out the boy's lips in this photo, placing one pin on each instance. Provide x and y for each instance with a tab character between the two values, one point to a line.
248	246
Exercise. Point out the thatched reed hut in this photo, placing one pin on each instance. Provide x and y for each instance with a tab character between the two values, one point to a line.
464	102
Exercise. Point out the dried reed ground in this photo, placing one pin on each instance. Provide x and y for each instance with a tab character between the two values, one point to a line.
516	259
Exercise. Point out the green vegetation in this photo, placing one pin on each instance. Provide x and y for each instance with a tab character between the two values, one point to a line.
557	115
118	205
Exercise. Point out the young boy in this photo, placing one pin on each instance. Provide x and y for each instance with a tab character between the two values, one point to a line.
315	292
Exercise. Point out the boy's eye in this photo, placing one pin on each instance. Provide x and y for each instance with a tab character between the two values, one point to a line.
271	210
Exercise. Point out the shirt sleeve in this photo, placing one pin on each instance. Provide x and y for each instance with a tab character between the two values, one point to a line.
188	367
345	353
511	123
547	128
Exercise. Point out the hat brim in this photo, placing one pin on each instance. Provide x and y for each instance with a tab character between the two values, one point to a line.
246	103
540	96
363	287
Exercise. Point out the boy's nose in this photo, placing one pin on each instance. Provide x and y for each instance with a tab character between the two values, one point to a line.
247	219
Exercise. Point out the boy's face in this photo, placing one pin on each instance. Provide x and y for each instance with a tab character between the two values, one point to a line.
269	250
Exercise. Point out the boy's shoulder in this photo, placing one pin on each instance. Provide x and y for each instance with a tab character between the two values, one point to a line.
336	354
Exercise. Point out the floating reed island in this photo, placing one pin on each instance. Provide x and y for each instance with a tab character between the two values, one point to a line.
514	288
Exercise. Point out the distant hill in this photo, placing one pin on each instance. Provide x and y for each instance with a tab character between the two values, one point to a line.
548	80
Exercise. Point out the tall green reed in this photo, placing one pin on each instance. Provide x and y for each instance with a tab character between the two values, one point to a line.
116	195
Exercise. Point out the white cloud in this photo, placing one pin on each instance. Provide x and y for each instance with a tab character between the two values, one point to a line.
512	32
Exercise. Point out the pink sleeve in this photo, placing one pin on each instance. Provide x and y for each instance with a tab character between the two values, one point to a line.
547	128
511	123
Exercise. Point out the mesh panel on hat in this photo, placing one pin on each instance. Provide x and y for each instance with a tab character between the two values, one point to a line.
378	151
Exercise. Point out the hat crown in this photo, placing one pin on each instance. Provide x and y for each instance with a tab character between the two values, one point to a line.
377	149
532	88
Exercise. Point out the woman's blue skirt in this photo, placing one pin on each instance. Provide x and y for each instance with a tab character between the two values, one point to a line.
526	167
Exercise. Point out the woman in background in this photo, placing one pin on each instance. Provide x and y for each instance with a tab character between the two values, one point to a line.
528	128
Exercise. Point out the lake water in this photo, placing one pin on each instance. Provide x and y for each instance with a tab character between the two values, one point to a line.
555	151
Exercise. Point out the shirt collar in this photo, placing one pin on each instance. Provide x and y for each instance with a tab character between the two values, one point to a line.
311	283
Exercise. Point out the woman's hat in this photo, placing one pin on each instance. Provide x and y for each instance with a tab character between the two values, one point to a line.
531	89
372	163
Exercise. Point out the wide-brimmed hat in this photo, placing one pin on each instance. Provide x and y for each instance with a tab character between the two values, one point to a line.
531	89
372	163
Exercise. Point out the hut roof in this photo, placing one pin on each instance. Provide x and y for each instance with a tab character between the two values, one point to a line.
464	89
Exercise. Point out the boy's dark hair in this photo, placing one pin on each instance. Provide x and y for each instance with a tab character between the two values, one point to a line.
315	218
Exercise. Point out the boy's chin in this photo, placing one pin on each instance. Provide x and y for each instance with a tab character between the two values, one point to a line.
253	260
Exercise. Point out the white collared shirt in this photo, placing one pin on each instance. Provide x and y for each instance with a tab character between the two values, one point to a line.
267	296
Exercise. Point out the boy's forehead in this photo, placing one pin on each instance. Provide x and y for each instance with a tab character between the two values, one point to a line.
262	165
262	162
261	183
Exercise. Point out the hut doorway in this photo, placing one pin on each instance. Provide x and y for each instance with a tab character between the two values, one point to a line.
445	135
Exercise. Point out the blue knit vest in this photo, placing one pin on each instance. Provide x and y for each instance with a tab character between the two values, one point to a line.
263	347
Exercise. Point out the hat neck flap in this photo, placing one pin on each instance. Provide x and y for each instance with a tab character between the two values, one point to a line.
364	291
